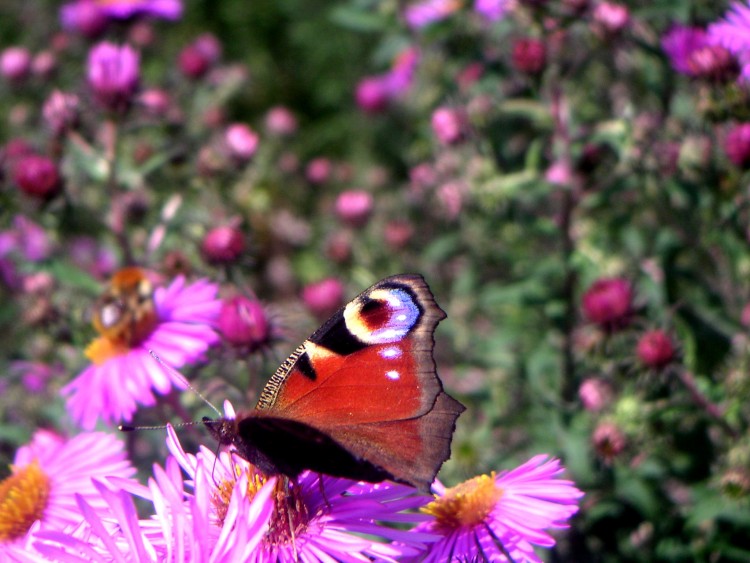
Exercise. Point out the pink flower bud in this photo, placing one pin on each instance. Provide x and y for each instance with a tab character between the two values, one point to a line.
241	141
372	94
243	322
655	349
595	394
608	302
529	55
448	125
609	441
737	145
113	74
15	63
324	297
223	245
354	207
280	121
318	171
37	176
60	111
611	17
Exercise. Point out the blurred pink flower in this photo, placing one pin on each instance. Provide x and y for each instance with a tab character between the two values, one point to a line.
113	74
223	245
81	15
608	302
354	207
46	476
529	55
281	121
733	33
491	10
737	145
679	43
655	349
61	111
37	176
611	17
15	63
124	374
372	94
595	394
448	125
318	170
324	297
241	141
425	12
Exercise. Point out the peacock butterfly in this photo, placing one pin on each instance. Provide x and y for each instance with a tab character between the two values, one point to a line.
359	399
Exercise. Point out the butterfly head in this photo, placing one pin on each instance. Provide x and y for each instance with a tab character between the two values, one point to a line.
224	430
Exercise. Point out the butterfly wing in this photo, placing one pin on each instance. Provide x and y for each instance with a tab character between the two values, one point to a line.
364	383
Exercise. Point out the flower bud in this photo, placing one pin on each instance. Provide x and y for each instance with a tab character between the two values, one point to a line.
448	125
354	207
37	176
529	55
223	245
15	63
280	121
324	297
113	75
655	349
318	171
60	111
372	94
609	441
608	302
241	141
737	145
243	322
595	394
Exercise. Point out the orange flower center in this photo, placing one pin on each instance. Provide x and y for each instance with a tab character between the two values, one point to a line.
23	498
466	504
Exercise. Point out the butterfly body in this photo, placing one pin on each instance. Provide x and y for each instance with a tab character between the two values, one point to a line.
359	399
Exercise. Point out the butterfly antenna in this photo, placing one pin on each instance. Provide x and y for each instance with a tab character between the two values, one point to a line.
181	378
131	428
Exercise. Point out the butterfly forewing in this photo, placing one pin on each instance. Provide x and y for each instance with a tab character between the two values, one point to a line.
364	383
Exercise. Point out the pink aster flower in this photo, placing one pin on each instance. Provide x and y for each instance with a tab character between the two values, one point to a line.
491	10
733	33
179	530
332	519
79	15
177	323
679	43
426	12
46	475
491	517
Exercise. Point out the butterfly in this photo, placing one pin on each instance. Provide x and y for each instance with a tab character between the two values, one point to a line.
359	399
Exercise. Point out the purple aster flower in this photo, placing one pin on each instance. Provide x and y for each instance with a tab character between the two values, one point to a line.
86	15
315	518
177	323
500	518
46	475
113	74
426	12
679	43
733	33
491	10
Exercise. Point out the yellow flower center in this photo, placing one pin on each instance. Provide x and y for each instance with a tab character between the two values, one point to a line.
466	504
23	498
290	515
223	493
103	349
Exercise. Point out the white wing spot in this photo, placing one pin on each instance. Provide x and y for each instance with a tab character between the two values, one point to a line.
393	374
